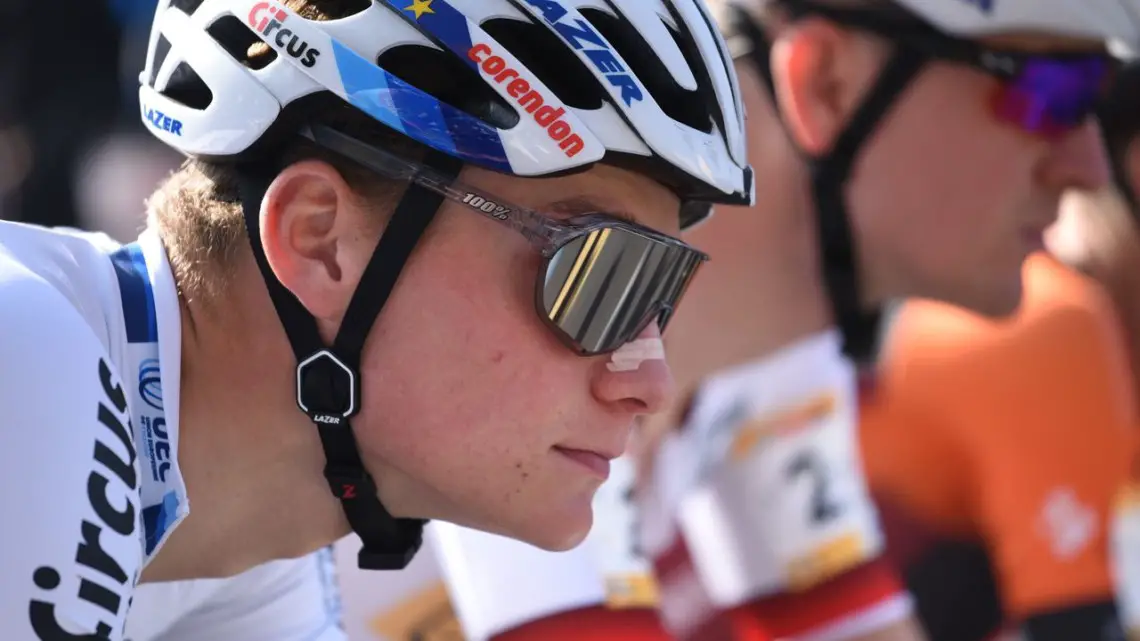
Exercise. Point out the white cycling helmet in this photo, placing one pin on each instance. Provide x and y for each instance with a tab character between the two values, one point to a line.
1117	22
535	87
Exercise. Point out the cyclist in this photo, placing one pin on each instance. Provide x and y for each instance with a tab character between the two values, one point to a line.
558	147
926	145
1042	405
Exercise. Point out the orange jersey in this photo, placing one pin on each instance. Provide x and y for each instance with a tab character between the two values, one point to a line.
1015	433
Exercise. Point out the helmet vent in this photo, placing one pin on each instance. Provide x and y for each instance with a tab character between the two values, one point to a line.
677	102
186	6
550	59
241	43
161	50
186	87
447	78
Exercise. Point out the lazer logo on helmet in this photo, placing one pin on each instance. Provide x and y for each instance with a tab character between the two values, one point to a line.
268	19
518	88
161	121
584	38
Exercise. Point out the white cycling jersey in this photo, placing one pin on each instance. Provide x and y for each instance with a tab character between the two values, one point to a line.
287	600
90	349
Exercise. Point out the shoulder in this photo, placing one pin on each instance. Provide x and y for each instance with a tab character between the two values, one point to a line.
973	380
65	406
72	263
1064	318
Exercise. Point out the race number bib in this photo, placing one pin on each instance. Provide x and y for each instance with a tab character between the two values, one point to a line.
615	544
782	503
1125	551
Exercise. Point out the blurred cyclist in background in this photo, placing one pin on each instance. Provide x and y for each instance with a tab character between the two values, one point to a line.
999	450
914	148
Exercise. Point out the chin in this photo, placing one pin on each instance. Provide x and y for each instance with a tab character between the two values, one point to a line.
561	542
555	533
996	302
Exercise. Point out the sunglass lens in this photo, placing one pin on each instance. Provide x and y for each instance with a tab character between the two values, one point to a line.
1052	96
602	288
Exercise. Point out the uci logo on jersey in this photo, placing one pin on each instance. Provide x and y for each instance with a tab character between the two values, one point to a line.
268	19
157	439
584	38
161	121
104	583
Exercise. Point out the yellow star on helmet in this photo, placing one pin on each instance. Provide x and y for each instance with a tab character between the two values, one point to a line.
420	7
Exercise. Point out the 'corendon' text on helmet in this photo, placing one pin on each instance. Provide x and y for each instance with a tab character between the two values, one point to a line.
518	88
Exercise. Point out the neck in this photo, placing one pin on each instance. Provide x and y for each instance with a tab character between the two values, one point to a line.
762	289
789	281
251	460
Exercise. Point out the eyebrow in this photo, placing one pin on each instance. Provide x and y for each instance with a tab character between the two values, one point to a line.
580	205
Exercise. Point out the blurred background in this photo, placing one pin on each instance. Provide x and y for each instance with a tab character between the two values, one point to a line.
73	150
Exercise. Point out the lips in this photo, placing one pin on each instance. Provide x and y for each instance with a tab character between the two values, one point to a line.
596	463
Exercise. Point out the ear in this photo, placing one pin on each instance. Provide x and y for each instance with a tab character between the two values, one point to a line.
820	72
311	223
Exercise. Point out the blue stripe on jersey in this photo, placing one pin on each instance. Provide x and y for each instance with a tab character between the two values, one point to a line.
141	322
157	519
130	269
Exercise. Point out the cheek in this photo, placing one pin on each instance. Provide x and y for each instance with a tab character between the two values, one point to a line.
459	375
943	178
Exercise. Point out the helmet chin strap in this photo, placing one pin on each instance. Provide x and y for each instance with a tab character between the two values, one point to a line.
859	323
328	377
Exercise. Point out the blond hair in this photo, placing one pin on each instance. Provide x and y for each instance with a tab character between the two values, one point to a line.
197	211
